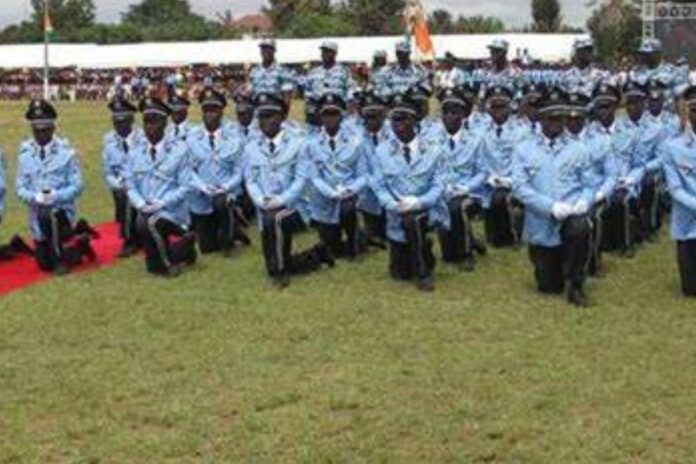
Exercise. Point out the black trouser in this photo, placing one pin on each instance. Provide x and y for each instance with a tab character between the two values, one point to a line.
554	265
276	239
458	243
597	217
686	258
126	217
415	257
376	225
503	224
620	220
331	235
651	204
57	246
161	252
216	231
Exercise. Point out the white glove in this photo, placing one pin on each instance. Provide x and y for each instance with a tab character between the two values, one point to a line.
273	203
458	191
581	207
599	197
624	182
408	204
152	208
45	198
561	211
210	190
494	181
505	182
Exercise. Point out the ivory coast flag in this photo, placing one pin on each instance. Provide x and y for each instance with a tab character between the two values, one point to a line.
417	26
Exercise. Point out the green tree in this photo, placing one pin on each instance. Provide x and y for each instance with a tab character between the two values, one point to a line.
376	17
65	14
319	25
616	27
283	12
441	22
478	25
546	15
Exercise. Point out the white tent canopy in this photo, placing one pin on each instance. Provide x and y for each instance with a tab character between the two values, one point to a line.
547	47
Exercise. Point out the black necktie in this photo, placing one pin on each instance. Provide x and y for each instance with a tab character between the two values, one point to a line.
42	153
332	144
125	146
272	147
153	153
375	139
246	130
407	153
176	131
211	140
499	131
451	143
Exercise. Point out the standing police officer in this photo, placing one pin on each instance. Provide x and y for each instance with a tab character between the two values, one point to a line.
329	77
269	76
49	181
403	75
118	145
216	175
158	180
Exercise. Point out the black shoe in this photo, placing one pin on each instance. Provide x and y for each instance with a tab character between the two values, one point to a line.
281	281
83	227
190	244
324	255
61	270
468	265
480	247
127	250
86	250
578	297
426	284
628	253
242	238
172	272
20	246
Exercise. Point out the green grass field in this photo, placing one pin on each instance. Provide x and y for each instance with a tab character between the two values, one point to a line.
344	366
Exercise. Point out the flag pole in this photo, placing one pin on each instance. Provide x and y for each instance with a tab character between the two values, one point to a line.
46	75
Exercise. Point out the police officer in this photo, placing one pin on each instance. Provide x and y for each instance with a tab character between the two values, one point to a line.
403	75
551	179
378	71
158	182
17	245
602	141
583	76
464	176
652	66
118	145
179	107
408	180
329	77
680	173
269	76
216	177
243	126
49	181
502	219
276	170
373	110
338	175
499	72
639	147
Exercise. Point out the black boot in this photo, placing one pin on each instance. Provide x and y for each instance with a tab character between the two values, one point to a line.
83	227
577	296
324	255
20	246
127	250
85	248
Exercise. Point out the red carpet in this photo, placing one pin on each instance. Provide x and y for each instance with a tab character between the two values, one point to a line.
23	271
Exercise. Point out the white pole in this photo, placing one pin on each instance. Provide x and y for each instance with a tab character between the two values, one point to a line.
46	76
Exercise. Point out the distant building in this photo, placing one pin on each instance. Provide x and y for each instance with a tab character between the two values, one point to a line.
253	25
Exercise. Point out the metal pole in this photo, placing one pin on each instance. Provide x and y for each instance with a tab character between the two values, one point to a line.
46	75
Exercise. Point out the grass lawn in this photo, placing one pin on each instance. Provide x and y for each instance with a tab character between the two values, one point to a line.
344	366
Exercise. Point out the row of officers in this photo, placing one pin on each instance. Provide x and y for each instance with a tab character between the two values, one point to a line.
568	175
